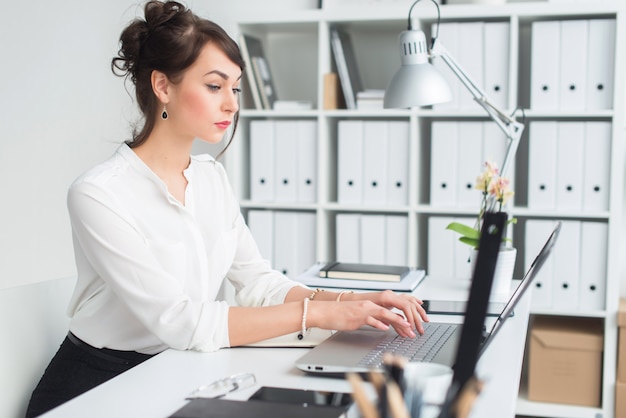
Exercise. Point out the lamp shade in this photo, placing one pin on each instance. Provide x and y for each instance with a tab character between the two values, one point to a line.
417	82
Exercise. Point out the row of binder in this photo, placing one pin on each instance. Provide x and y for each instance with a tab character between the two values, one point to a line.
458	152
286	239
283	161
371	238
572	64
569	165
574	276
482	50
373	162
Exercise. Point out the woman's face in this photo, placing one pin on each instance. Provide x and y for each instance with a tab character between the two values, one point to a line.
203	103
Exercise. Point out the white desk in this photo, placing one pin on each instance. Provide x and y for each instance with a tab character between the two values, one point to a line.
158	387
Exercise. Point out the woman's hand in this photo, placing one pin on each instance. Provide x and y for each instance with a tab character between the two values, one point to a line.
375	309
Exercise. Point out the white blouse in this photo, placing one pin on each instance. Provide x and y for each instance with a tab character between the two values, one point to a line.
149	268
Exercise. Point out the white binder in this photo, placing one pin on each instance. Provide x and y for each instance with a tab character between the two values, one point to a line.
566	285
372	239
262	161
449	37
286	161
495	144
601	62
347	237
306	245
542	157
306	180
597	157
496	62
440	247
471	59
286	242
261	225
443	163
398	163
375	151
569	161
545	65
573	79
536	234
350	162
396	240
593	251
470	163
461	252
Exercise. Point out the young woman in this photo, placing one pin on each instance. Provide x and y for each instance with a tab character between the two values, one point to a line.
156	231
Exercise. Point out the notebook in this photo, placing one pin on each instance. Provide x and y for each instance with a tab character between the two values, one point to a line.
362	350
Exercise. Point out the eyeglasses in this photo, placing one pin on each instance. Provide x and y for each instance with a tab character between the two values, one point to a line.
223	386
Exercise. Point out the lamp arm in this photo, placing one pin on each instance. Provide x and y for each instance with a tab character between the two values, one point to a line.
511	127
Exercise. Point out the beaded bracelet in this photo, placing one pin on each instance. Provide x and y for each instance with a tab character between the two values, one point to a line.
304	311
312	295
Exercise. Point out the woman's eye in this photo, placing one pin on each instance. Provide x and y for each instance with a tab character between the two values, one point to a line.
213	87
237	90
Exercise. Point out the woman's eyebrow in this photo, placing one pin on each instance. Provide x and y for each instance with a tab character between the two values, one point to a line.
221	74
218	72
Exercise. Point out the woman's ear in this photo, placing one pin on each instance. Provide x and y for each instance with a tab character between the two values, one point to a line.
160	86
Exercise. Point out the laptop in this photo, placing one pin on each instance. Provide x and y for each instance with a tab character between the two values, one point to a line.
362	350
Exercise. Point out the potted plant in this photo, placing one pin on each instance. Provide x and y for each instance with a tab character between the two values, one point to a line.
494	188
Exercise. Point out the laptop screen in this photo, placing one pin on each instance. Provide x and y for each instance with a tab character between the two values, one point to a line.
523	286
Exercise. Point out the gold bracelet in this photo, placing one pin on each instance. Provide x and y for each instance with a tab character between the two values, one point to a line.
342	293
312	296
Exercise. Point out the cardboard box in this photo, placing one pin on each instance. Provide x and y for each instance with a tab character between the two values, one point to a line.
620	400
565	360
621	345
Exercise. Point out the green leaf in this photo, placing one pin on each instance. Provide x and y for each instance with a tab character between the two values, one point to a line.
472	242
511	221
466	231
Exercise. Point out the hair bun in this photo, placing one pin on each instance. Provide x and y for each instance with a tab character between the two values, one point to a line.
133	38
158	13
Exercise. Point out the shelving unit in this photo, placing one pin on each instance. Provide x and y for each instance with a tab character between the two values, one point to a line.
297	45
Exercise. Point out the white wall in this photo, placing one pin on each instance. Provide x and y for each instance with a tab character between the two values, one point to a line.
62	111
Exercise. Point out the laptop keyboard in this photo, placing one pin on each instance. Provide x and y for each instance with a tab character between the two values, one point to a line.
422	348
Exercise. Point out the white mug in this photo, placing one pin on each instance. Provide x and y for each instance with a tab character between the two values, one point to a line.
426	386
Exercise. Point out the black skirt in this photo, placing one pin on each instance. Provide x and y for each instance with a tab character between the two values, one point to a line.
76	368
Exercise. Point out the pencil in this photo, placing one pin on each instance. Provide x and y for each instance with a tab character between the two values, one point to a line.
396	401
367	408
378	379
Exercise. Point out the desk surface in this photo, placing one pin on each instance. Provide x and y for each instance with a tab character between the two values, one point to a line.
158	387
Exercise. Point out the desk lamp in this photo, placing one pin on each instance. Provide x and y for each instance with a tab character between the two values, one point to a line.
419	83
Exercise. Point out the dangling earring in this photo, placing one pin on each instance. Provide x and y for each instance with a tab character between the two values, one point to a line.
164	114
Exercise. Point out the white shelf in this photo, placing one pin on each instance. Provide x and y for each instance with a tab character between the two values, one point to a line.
554	410
305	36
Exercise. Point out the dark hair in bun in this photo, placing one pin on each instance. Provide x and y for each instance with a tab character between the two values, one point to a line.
169	39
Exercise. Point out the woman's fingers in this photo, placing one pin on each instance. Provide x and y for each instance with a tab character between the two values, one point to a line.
402	326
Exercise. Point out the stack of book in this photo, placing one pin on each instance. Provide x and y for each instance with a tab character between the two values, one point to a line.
362	276
370	99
